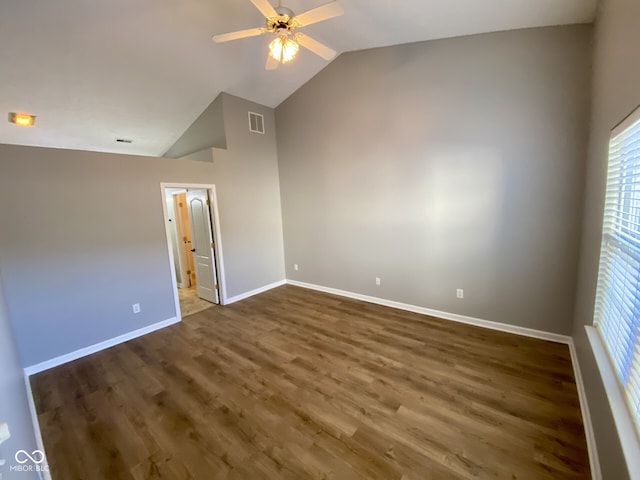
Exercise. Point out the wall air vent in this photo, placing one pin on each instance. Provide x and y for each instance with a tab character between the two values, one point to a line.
256	122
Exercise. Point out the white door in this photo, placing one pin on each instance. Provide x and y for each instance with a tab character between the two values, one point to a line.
202	245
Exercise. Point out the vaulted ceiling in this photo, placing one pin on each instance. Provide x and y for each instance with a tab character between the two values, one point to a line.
96	70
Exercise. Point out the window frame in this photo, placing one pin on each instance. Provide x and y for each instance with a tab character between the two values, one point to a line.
627	424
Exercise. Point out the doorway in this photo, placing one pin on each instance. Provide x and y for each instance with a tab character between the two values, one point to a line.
195	251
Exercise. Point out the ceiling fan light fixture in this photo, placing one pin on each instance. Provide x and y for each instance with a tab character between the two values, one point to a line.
289	50
283	49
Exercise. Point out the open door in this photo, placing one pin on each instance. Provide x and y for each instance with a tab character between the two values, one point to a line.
202	244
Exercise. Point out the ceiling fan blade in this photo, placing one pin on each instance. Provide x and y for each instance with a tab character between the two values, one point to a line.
272	63
315	15
265	8
250	32
315	46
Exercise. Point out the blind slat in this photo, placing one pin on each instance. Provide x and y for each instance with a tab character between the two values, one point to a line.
617	308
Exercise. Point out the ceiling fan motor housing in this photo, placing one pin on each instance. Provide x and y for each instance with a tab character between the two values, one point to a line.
282	21
285	11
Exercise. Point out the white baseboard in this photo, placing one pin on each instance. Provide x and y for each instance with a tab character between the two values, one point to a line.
586	417
42	474
503	327
242	296
83	352
594	462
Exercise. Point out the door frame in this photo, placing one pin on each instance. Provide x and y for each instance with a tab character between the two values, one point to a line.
217	238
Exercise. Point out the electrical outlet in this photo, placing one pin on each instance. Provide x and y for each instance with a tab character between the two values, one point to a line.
136	308
295	267
460	293
377	280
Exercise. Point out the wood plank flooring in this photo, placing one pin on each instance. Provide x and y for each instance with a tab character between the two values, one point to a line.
295	384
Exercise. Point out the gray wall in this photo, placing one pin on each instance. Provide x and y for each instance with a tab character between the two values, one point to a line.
205	155
615	94
441	165
14	408
206	132
249	196
82	239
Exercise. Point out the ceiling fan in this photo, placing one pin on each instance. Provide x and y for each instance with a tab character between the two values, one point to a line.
282	22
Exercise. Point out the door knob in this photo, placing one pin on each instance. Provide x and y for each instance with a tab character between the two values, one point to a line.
193	249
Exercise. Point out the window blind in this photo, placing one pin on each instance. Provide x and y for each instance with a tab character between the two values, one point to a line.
617	310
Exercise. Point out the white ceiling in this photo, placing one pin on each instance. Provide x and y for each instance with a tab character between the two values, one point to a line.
96	70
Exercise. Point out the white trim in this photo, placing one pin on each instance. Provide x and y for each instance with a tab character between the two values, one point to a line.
167	231
594	462
625	424
503	327
242	296
44	475
83	352
629	120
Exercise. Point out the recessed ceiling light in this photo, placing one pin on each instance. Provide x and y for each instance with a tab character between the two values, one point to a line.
22	119
124	140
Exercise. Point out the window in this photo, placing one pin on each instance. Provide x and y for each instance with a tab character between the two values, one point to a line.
617	311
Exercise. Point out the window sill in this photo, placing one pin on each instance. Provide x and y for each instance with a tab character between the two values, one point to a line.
622	418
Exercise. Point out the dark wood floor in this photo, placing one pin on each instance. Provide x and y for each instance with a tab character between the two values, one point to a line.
297	384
